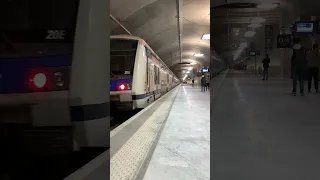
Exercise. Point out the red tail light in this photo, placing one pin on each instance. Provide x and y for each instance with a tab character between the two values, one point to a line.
48	79
38	80
124	86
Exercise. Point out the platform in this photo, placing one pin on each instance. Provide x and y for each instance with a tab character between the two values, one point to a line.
259	131
183	150
170	139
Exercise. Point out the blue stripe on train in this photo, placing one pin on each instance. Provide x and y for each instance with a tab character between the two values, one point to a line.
13	70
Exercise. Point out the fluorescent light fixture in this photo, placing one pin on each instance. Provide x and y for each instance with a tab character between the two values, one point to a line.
206	36
254	25
198	55
188	72
193	63
239	50
258	20
185	77
268	5
250	34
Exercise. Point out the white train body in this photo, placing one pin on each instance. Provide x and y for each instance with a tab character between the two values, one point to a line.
141	81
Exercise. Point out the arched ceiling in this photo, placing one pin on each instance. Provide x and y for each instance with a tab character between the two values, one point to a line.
156	22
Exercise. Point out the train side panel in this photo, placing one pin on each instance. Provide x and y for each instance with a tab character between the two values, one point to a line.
139	84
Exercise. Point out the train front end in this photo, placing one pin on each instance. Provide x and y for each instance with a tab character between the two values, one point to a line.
122	59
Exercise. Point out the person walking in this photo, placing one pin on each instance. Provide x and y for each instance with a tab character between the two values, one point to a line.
298	66
266	62
208	82
203	83
313	67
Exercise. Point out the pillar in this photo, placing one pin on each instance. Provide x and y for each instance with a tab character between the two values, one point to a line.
90	76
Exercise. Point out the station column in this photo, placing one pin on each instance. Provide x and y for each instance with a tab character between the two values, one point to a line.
90	77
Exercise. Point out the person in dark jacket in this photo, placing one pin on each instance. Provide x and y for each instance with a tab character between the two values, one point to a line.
203	83
298	66
313	67
266	62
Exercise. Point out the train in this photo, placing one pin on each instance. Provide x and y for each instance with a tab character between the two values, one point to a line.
138	75
217	64
36	53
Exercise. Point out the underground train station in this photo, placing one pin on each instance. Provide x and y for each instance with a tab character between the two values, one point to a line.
159	90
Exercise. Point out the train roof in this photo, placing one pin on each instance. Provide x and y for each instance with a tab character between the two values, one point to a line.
143	41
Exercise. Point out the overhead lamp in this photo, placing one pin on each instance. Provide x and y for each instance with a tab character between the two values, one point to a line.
188	72
185	77
206	36
193	63
268	5
258	20
198	55
256	25
250	34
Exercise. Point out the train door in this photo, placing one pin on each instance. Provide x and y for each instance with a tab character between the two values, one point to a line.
156	82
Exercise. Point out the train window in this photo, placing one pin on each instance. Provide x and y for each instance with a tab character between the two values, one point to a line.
122	56
37	27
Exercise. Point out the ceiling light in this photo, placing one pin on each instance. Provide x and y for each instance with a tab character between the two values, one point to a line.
254	25
188	72
250	34
193	63
205	36
185	77
268	5
198	55
257	20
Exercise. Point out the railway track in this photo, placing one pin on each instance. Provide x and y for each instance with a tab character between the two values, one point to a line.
55	167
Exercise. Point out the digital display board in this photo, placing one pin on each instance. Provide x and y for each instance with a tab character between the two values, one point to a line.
304	27
204	70
252	53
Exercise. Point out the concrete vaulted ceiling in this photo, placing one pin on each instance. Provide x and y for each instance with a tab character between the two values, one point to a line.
156	22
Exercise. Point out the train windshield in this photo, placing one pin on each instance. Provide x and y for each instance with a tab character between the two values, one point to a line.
30	28
122	56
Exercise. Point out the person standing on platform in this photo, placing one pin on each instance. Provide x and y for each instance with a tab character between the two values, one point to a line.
203	83
266	62
208	82
313	67
298	66
193	82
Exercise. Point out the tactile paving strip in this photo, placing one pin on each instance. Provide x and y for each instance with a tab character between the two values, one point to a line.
126	163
